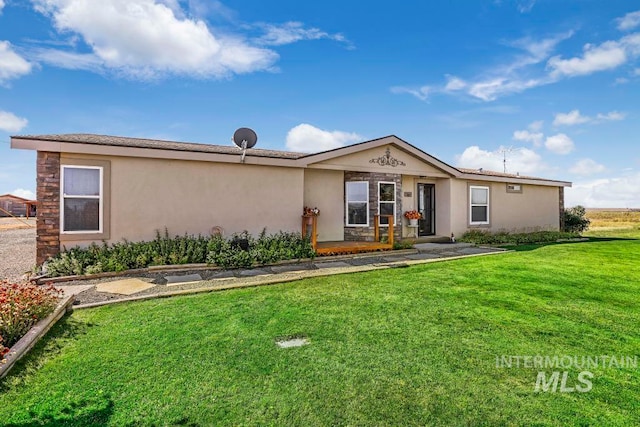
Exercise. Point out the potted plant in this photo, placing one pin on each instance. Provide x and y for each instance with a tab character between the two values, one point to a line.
413	217
309	213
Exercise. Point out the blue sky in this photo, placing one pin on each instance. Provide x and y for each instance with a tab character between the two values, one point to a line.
555	84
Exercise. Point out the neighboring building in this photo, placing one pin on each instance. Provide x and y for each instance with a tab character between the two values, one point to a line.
92	188
11	205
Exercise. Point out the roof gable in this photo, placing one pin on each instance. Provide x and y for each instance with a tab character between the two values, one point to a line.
388	153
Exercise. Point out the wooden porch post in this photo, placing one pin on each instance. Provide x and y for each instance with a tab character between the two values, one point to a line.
314	229
376	230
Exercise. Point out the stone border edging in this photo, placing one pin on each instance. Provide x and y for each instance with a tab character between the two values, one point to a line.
283	278
22	347
196	267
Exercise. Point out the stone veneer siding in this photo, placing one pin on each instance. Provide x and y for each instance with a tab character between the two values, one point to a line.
367	233
48	211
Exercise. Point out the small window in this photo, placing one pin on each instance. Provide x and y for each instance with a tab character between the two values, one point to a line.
479	205
81	201
386	201
514	188
357	195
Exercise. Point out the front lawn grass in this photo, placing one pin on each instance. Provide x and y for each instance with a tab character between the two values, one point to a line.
411	346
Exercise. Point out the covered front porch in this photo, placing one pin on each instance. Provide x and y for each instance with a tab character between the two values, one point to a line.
383	238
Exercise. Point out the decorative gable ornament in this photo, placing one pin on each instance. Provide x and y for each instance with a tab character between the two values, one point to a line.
388	160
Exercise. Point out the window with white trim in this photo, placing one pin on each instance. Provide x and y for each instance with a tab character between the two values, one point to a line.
357	196
386	201
81	199
479	205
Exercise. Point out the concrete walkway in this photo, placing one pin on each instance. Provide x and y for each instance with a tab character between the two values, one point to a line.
108	290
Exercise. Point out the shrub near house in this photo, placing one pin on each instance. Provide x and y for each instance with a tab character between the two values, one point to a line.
241	250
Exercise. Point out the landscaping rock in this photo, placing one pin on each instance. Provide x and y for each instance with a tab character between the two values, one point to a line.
182	279
124	287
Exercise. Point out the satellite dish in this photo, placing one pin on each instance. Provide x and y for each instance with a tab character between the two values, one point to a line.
244	138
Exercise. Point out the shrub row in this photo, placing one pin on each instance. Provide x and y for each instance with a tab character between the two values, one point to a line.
482	237
22	305
241	250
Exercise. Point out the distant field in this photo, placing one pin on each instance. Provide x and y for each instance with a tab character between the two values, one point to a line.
614	223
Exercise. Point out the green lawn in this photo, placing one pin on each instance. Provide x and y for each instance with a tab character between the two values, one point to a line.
410	346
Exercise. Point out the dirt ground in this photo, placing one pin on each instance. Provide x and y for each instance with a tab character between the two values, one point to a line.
15	223
17	248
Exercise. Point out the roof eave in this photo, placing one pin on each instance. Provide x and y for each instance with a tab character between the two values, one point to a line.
159	153
519	180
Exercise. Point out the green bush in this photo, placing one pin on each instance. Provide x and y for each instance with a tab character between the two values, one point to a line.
575	219
241	251
482	237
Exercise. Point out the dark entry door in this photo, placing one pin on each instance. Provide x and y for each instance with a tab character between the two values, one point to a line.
427	207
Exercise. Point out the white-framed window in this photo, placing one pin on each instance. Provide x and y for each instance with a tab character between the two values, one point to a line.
386	201
81	203
478	205
357	197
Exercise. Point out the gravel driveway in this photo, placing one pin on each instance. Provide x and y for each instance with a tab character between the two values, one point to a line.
17	252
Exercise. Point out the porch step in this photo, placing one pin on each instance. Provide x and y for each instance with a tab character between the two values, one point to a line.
431	239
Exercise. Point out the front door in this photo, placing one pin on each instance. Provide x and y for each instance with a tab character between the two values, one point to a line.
427	207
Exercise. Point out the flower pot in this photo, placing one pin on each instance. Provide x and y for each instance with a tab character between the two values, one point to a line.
413	222
309	220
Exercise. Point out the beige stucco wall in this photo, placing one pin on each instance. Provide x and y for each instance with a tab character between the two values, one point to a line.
443	207
324	189
409	185
536	208
192	197
361	162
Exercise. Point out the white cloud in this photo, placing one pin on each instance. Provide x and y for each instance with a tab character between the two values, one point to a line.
524	71
575	118
536	126
306	138
147	39
454	83
523	160
525	6
559	144
502	80
629	21
611	116
25	194
422	93
12	65
9	122
616	192
291	32
606	56
587	167
569	119
535	138
1	5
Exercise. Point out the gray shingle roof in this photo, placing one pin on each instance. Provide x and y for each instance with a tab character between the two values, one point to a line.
119	141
